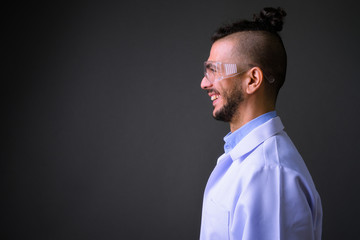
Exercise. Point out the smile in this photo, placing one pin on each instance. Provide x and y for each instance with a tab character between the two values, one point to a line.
214	97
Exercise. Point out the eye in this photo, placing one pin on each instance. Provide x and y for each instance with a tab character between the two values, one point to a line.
210	68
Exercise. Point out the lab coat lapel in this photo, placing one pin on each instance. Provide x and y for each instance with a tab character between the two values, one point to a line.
223	163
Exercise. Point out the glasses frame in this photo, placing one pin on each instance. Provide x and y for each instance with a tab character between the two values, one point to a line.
227	70
224	70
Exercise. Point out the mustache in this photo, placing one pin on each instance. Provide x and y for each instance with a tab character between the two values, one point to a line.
212	91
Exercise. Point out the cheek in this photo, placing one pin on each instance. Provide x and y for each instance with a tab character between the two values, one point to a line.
230	91
219	87
223	90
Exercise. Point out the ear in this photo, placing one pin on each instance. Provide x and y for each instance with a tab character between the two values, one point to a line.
255	80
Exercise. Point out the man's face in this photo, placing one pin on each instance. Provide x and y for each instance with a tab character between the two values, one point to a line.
226	94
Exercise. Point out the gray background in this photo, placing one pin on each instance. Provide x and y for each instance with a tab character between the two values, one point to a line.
106	133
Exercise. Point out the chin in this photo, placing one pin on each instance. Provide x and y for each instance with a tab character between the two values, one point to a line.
221	115
224	113
216	112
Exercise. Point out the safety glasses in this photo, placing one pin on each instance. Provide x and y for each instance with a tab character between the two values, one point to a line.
216	71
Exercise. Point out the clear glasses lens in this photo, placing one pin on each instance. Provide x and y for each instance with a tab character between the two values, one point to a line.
210	70
215	71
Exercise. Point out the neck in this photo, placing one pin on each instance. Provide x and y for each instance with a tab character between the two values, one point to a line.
247	113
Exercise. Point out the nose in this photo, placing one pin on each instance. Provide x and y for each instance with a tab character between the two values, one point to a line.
205	83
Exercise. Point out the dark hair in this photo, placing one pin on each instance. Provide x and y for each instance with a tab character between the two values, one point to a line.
269	20
266	49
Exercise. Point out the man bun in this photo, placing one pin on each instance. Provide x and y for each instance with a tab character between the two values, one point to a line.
272	19
269	20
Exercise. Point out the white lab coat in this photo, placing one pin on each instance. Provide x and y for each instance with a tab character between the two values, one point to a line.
261	190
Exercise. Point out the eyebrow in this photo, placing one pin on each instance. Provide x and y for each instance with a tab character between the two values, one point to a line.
210	65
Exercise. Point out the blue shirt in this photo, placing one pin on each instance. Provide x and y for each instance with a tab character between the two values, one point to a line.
261	189
231	139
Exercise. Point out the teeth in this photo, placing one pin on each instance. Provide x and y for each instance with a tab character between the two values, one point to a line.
213	97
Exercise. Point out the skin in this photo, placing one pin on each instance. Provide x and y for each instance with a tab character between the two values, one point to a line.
255	99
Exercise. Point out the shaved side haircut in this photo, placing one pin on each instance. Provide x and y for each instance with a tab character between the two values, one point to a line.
260	42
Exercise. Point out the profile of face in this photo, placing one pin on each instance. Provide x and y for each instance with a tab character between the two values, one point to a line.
226	94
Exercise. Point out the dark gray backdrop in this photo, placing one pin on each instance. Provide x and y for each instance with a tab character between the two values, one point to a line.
107	134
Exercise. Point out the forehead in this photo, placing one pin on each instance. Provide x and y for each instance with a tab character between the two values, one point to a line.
223	50
232	48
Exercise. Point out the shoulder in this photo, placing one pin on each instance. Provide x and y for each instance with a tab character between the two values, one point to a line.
276	153
280	151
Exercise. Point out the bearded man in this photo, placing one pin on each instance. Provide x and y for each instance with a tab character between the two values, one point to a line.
260	187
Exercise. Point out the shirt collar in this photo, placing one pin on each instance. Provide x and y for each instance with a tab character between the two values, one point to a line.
232	139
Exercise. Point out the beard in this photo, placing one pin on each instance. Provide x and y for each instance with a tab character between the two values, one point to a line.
232	98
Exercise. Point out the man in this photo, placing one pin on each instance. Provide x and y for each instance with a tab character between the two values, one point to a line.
260	187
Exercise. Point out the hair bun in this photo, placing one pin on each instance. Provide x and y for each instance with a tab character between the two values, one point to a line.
271	18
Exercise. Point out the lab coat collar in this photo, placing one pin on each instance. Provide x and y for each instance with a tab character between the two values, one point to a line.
256	137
